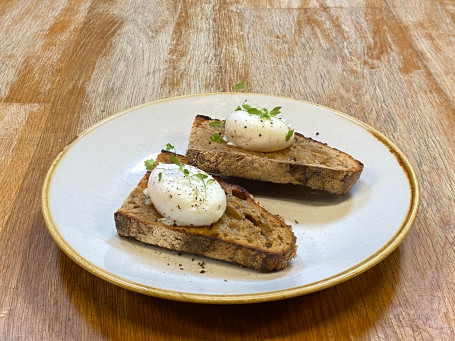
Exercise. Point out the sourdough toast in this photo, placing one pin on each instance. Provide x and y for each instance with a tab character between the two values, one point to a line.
306	162
246	234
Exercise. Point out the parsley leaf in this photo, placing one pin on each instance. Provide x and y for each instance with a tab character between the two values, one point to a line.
185	171
255	111
216	138
240	85
266	115
149	164
289	134
201	176
262	112
275	111
176	160
246	106
216	124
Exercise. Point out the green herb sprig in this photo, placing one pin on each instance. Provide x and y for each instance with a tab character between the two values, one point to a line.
197	177
239	85
218	125
289	134
176	161
261	112
266	115
202	177
216	137
149	164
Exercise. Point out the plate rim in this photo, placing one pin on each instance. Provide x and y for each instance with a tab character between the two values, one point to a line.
352	272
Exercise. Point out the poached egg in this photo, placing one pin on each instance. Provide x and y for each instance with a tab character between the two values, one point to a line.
256	133
193	198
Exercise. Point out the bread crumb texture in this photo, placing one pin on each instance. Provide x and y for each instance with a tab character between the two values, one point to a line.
306	162
246	234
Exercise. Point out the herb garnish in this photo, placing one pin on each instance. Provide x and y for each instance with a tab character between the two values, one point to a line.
216	137
217	124
261	112
199	176
289	134
240	85
252	110
149	164
265	114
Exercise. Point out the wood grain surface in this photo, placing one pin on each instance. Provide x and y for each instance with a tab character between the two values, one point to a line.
65	65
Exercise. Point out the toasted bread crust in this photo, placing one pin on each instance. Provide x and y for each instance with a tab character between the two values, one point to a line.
246	234
306	162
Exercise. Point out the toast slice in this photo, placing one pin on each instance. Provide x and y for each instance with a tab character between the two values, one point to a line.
246	234
306	162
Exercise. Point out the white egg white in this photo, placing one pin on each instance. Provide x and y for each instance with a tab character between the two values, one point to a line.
251	132
184	199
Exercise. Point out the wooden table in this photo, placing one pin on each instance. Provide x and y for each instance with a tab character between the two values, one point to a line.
65	65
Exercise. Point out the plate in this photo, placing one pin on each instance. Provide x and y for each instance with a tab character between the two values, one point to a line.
338	237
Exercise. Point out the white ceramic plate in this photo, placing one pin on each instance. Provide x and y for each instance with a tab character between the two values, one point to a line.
338	237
